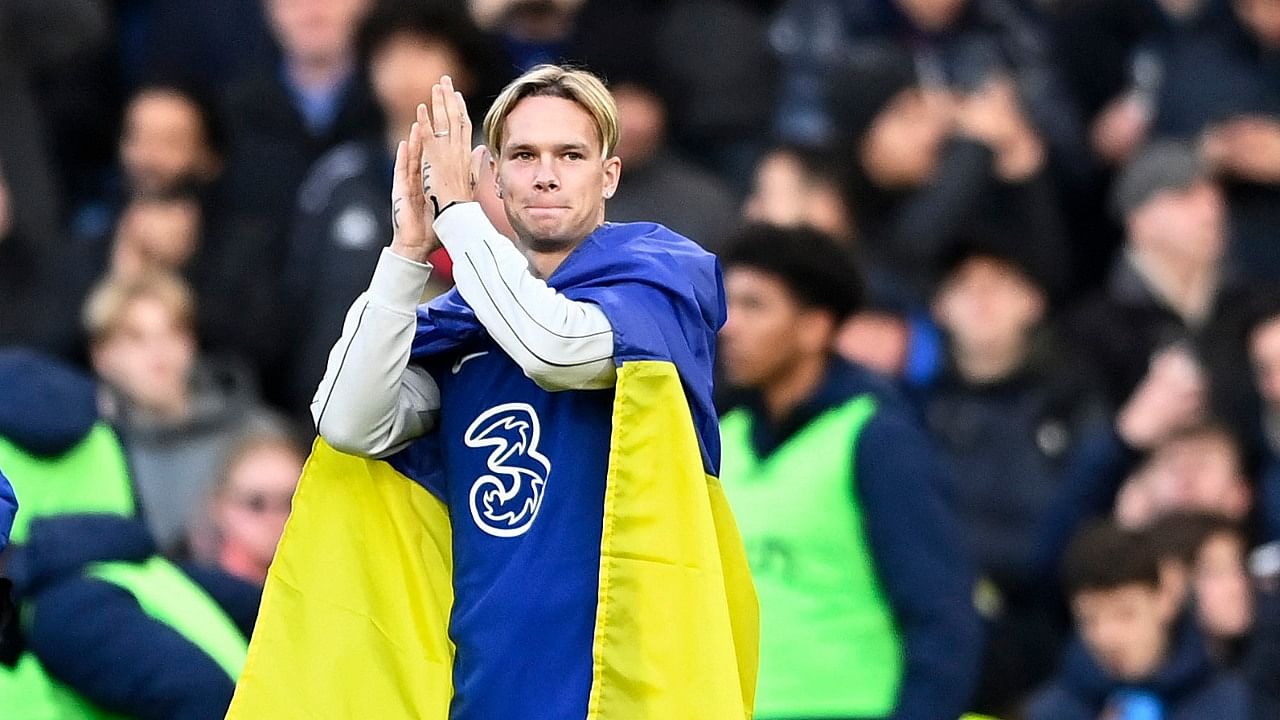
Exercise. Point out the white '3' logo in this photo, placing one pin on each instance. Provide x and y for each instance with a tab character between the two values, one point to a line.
505	501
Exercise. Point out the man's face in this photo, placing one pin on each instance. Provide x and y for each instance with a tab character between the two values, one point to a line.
767	331
403	70
148	355
255	503
1188	224
551	173
1199	472
1224	602
164	143
643	122
315	30
1124	628
1264	351
988	303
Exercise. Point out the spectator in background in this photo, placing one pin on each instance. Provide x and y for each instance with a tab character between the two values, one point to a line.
281	119
714	56
1008	410
1205	553
1220	91
177	416
171	140
1120	74
251	503
108	624
1263	341
341	221
1171	286
29	315
865	595
1198	468
1135	653
794	186
660	186
933	167
957	45
35	36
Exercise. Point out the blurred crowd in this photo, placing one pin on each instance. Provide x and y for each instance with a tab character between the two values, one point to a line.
1060	216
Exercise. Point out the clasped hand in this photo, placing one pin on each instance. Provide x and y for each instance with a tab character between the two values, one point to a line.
435	168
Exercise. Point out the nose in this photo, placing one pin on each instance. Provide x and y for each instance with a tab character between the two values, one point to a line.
545	180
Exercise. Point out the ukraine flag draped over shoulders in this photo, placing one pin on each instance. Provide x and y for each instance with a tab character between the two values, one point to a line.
355	617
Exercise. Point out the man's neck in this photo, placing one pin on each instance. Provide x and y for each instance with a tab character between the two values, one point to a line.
990	362
319	73
798	384
177	409
546	263
1187	288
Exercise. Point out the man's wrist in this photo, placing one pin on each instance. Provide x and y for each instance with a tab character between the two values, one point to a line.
416	253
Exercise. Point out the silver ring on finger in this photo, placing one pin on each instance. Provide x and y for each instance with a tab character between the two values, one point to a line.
441	133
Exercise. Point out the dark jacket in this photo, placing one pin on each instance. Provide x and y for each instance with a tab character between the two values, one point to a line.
341	224
668	190
86	632
1121	328
1008	443
270	152
1187	686
912	534
1214	77
908	233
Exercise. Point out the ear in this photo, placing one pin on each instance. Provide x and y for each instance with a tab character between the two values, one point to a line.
816	330
612	174
493	171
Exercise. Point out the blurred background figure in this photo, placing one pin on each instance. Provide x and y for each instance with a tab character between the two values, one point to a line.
1171	286
1198	468
1009	410
656	173
1136	654
859	590
250	504
178	414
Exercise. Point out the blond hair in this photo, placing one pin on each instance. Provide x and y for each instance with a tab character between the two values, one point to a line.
580	86
111	297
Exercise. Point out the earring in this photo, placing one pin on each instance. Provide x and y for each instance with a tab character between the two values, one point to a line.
499	191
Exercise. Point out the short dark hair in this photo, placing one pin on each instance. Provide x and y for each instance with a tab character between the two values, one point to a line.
440	20
1180	535
817	270
1105	556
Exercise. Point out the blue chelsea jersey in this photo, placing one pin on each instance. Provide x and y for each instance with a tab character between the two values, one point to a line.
523	472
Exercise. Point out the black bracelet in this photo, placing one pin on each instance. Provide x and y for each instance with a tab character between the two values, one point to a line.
435	206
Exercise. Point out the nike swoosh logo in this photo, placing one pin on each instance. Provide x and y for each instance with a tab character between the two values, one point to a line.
457	366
